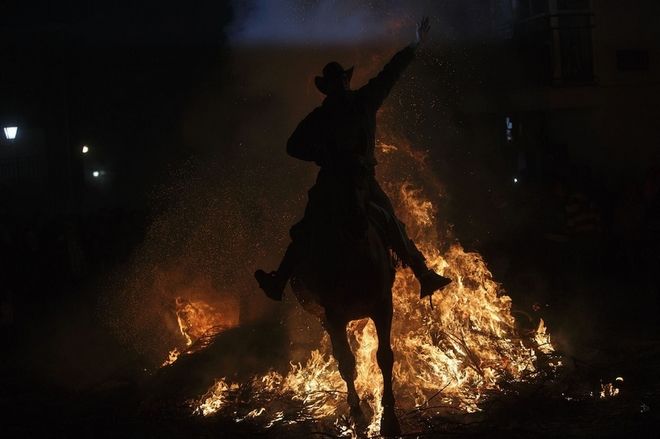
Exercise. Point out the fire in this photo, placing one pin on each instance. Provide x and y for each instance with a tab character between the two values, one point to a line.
610	390
171	357
450	353
215	398
198	321
543	339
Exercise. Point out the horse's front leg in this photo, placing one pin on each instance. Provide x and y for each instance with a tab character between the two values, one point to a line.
389	424
341	350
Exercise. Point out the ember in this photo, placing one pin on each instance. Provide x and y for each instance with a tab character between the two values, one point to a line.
454	350
610	390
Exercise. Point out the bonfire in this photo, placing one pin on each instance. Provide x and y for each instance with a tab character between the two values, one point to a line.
451	352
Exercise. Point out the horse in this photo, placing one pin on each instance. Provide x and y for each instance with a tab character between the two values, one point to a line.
347	275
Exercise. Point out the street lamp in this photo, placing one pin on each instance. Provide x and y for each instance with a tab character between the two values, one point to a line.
85	149
10	132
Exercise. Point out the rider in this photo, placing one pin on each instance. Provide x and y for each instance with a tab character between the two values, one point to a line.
339	136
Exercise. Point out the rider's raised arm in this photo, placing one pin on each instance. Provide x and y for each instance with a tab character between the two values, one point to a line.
304	143
377	89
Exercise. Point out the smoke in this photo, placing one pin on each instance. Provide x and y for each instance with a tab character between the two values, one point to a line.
295	22
227	211
352	22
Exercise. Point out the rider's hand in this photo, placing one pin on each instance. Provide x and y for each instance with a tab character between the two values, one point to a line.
422	33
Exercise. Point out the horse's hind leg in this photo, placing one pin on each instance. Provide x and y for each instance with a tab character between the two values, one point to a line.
389	424
341	350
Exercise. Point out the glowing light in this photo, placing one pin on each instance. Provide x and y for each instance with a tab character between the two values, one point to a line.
10	132
608	391
85	149
515	179
458	352
96	174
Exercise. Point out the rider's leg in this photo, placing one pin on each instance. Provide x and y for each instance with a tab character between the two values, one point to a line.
273	283
405	248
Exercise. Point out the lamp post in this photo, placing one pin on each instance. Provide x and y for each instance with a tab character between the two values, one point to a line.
10	132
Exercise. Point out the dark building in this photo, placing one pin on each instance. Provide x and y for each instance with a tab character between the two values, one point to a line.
36	167
579	83
114	78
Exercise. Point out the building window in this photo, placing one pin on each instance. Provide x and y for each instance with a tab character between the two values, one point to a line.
509	129
555	39
537	7
627	60
521	9
529	8
573	5
575	47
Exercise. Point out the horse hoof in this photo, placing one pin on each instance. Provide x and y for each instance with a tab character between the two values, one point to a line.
357	414
389	424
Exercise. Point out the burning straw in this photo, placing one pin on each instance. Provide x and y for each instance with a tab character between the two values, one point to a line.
448	355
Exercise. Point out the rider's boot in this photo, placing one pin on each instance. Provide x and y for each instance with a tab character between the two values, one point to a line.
429	280
273	283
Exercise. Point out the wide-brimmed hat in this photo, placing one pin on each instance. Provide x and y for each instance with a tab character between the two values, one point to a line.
332	72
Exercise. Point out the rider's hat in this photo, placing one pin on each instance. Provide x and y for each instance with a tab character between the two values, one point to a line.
333	72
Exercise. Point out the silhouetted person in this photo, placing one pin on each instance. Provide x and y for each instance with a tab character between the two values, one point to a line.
339	136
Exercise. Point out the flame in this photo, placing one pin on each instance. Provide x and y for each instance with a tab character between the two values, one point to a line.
450	353
172	356
215	398
542	339
198	321
610	390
